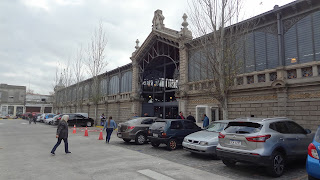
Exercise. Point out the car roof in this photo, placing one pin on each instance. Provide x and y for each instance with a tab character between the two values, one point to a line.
252	119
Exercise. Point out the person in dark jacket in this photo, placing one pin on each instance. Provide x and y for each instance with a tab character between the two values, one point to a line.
180	116
191	118
62	133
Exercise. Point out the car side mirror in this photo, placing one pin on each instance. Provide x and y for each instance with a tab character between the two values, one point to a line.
308	131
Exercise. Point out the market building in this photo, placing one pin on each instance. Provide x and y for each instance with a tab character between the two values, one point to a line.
280	74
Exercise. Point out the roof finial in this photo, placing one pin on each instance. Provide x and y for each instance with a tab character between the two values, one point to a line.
137	44
185	23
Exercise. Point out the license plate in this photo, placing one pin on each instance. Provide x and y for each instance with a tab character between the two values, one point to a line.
155	135
119	135
235	142
191	146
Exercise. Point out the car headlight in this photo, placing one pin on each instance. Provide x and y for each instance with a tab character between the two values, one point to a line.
185	140
203	143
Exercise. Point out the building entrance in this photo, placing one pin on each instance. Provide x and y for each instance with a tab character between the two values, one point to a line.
159	81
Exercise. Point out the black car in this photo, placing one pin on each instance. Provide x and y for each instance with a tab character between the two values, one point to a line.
171	132
79	120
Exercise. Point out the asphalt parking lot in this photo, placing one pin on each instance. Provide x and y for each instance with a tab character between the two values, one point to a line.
295	171
25	154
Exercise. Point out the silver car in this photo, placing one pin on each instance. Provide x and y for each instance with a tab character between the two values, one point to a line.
269	142
205	141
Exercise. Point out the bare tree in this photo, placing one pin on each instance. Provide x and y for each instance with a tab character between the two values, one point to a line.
79	76
219	40
96	63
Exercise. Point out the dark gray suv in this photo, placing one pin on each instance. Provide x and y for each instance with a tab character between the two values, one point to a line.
268	142
135	129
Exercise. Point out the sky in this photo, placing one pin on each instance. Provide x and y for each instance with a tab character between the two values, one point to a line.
37	37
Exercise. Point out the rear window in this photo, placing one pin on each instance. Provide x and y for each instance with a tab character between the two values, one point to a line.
216	127
158	125
317	136
243	127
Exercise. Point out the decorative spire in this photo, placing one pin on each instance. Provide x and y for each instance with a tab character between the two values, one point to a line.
185	32
185	23
137	44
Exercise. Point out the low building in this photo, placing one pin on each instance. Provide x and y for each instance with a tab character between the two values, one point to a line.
39	103
12	99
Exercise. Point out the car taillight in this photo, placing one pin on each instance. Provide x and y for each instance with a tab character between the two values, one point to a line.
258	138
149	132
59	118
130	127
163	134
312	151
221	135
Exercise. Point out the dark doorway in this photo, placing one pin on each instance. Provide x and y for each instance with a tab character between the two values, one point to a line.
159	81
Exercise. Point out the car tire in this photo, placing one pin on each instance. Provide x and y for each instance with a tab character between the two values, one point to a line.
89	124
277	165
172	144
127	140
229	162
140	139
155	144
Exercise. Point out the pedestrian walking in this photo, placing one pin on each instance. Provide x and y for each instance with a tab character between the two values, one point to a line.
205	121
109	126
191	118
102	119
30	117
62	134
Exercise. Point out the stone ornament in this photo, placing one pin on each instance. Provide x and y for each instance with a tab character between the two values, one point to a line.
157	22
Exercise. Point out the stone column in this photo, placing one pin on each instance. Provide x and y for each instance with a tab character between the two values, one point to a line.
183	76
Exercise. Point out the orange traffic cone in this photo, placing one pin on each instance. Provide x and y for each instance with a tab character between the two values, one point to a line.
101	135
74	129
86	132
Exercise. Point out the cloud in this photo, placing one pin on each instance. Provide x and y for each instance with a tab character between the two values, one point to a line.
36	35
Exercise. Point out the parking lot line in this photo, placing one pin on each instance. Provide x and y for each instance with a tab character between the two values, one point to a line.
154	175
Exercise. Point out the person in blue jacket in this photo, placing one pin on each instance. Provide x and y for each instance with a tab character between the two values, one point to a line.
205	121
109	126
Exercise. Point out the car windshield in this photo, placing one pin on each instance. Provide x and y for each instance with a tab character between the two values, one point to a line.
216	127
158	125
243	127
317	136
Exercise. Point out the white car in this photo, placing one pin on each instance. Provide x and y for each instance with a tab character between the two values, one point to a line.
48	121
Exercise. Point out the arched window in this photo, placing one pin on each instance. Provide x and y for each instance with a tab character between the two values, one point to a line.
103	86
114	85
126	82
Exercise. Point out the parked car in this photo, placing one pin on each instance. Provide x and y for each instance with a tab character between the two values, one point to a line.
313	162
79	120
57	119
135	129
42	117
38	117
205	141
49	118
269	142
171	132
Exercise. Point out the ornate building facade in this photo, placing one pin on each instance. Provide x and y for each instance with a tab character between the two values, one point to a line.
280	74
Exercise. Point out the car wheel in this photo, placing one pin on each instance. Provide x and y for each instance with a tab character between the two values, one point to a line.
127	140
277	165
140	139
172	144
89	124
155	144
229	162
